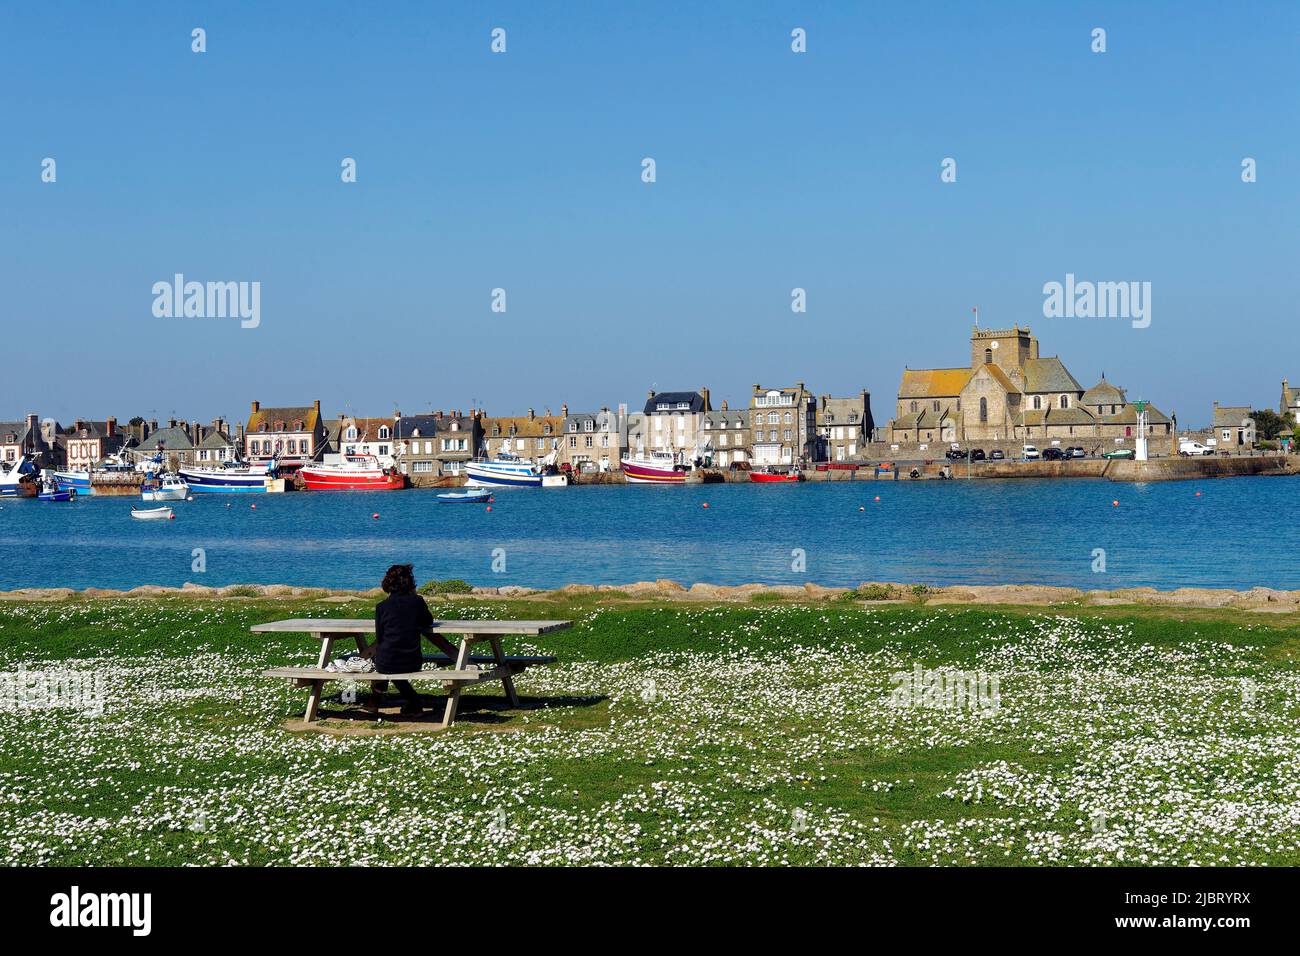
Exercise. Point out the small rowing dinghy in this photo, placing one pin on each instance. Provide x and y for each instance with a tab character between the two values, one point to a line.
152	514
472	496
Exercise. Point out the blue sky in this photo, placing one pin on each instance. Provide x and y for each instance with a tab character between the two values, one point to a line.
522	171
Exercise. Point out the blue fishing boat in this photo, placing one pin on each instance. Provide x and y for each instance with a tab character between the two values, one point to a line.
506	471
50	491
468	497
78	481
248	479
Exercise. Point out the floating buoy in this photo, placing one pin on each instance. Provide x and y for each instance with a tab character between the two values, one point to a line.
877	497
706	504
171	517
229	505
254	507
489	507
1114	504
862	507
375	516
1198	494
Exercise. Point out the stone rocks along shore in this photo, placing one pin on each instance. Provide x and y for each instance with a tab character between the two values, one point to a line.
872	592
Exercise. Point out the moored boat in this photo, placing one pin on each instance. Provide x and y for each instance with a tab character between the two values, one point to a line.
153	514
50	491
231	479
356	473
655	468
78	481
503	471
469	496
168	488
772	476
11	478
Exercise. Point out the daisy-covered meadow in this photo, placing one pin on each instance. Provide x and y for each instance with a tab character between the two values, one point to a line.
775	733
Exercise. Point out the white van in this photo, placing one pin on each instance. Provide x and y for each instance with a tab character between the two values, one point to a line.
1187	447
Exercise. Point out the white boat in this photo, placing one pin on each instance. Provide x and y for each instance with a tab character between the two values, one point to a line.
11	476
152	514
503	471
555	481
170	488
468	497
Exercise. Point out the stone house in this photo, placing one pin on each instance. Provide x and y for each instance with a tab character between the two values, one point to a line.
435	447
726	436
671	422
1234	427
297	434
591	437
844	427
783	425
531	437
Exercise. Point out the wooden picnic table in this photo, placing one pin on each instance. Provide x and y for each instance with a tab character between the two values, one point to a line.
462	673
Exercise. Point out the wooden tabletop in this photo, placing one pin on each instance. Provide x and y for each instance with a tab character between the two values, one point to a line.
359	625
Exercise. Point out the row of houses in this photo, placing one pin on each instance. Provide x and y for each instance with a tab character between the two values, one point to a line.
1008	392
777	426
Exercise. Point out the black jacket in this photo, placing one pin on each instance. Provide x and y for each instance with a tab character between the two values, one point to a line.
399	619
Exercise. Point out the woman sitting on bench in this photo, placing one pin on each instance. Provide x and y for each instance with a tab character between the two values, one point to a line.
400	619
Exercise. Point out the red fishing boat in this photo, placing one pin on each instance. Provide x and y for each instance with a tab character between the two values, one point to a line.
769	476
357	473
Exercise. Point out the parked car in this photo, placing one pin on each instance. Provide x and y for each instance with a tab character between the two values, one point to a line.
997	455
1074	451
955	454
1188	448
1119	453
977	454
1053	454
1029	453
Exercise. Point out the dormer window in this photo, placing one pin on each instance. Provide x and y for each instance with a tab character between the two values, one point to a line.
297	426
279	426
352	433
455	427
385	432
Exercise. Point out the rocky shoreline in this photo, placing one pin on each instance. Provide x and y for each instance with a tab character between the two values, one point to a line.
871	592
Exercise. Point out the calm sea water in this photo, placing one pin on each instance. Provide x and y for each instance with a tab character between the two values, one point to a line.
1239	533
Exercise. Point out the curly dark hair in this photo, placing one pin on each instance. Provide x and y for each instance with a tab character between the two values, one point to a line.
400	579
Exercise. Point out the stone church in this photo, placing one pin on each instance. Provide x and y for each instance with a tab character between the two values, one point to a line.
1011	393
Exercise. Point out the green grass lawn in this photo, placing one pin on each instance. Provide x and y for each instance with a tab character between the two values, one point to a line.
669	734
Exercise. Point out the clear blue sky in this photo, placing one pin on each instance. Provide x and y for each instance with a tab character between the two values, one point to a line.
522	171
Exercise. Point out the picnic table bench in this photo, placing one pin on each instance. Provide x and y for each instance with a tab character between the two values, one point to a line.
460	669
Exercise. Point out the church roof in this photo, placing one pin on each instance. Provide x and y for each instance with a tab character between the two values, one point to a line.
1001	377
1104	393
1128	416
1049	375
933	382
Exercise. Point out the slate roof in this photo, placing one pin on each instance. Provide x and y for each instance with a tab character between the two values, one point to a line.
13	432
1128	416
172	438
1049	375
1104	393
1230	415
694	399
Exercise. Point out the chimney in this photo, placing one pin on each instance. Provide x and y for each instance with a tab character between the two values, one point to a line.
171	423
564	410
724	404
704	393
652	393
825	399
110	426
219	425
78	425
153	427
316	406
530	414
197	429
256	407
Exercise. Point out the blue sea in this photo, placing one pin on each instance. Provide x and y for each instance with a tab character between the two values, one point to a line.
1233	532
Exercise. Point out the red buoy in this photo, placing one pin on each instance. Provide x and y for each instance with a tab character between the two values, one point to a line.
489	508
375	516
877	497
1114	504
